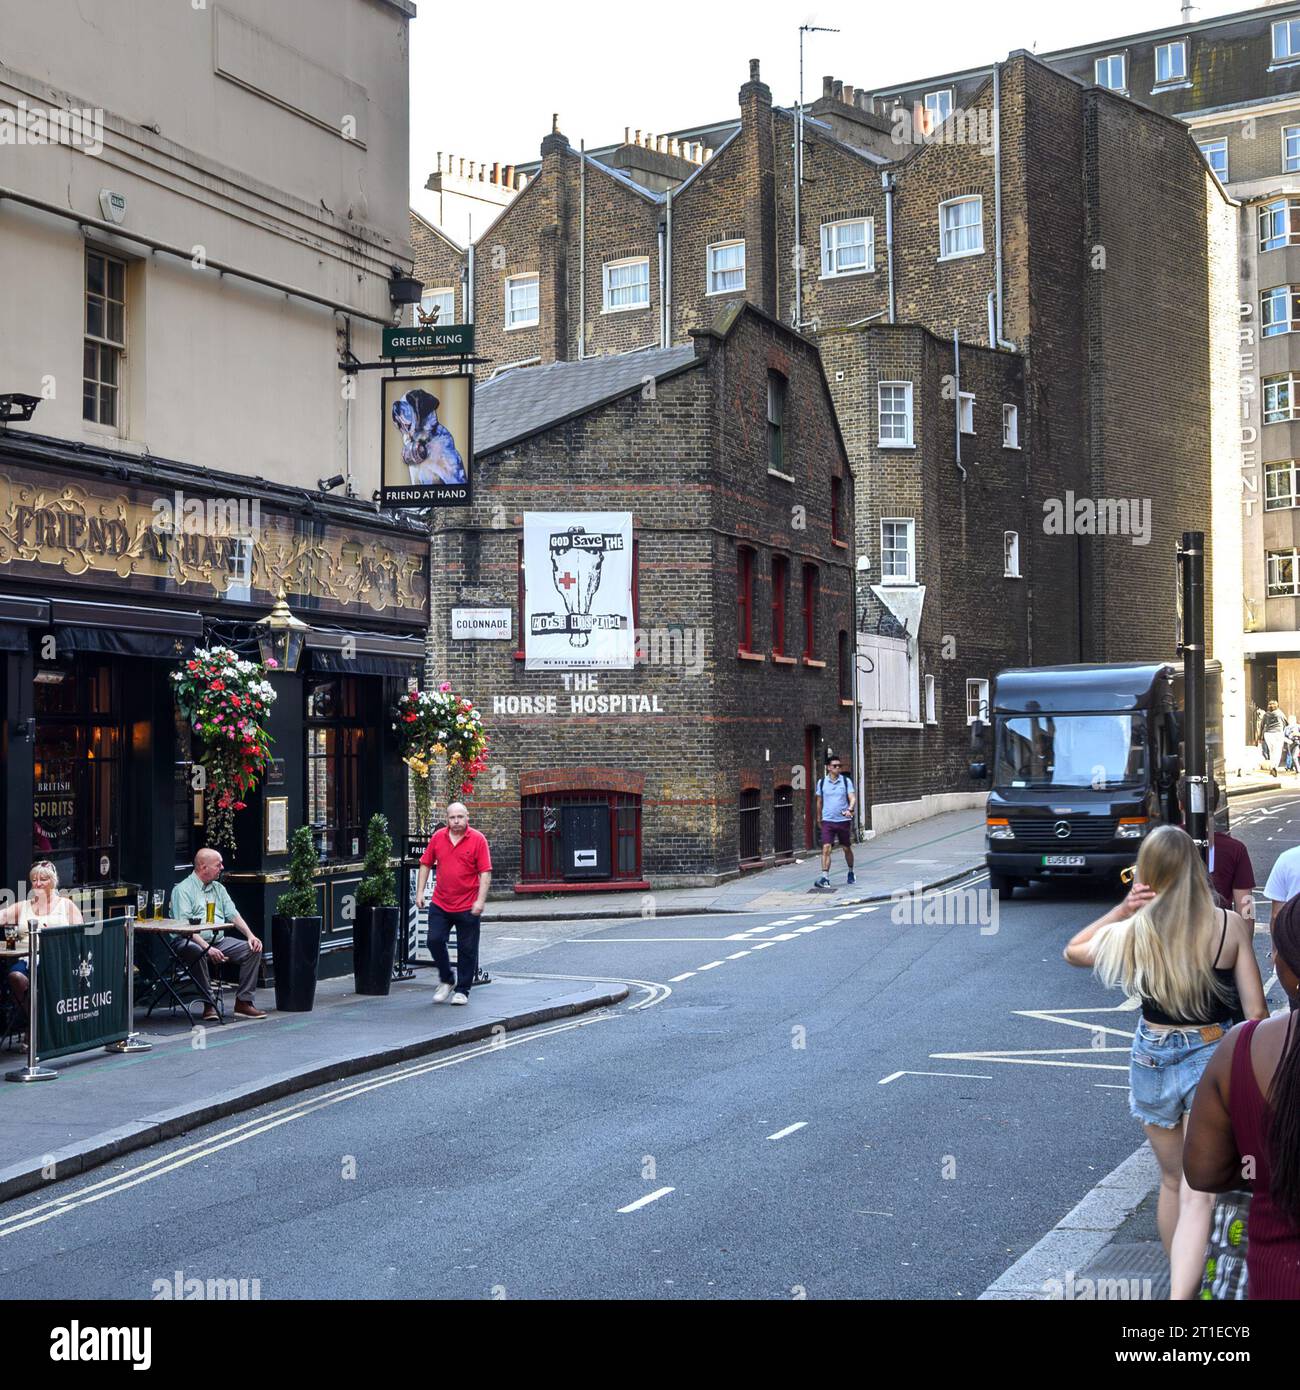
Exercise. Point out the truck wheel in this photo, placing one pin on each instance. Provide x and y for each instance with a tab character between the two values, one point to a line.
1003	886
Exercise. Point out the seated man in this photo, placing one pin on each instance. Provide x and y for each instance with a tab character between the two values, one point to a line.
190	898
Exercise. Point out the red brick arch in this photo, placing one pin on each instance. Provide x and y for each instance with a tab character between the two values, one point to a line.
581	779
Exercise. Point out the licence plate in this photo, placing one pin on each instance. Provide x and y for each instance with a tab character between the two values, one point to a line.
1064	861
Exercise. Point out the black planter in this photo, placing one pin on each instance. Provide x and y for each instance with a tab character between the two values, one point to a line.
374	946
295	950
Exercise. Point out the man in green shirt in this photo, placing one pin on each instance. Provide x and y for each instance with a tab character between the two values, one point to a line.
190	898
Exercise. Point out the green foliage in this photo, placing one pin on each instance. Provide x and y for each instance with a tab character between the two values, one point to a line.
376	888
300	900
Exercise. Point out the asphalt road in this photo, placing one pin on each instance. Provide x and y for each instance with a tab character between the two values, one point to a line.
815	1105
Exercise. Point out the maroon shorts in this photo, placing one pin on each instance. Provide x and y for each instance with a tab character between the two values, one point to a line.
837	831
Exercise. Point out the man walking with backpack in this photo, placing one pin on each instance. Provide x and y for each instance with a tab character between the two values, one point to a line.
836	799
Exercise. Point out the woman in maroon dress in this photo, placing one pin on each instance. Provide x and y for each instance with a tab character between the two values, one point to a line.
1245	1125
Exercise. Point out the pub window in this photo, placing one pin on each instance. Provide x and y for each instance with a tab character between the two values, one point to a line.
77	770
105	339
336	753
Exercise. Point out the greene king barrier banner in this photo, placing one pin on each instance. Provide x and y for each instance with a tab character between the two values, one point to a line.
81	990
578	591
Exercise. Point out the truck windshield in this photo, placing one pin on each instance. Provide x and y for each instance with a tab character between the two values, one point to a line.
1071	750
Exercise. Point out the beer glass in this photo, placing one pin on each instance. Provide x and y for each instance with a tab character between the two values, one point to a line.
212	911
158	897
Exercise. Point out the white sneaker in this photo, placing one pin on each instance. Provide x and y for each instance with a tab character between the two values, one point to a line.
442	994
459	998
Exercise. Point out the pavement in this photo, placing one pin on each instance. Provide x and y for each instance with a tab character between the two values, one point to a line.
102	1106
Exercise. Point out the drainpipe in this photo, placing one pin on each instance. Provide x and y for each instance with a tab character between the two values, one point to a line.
887	183
993	331
956	372
663	306
668	275
997	204
582	248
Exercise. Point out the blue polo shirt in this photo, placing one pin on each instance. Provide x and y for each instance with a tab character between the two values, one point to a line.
834	792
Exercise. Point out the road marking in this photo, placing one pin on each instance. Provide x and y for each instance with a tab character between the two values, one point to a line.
970	1076
763	945
789	1129
1109	1086
865	1211
798	917
619	940
785	936
677	979
754	931
1036	1057
799	931
736	955
712	965
646	1200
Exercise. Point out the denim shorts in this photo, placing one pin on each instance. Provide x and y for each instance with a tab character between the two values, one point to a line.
1164	1068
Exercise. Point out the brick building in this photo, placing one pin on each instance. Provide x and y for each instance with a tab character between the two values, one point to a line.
970	278
701	757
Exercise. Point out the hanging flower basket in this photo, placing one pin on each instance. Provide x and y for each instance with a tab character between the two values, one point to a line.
227	701
435	724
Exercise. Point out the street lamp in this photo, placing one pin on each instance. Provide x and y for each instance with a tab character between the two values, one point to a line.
281	637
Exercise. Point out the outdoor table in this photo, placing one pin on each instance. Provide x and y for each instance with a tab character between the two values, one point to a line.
8	1008
168	928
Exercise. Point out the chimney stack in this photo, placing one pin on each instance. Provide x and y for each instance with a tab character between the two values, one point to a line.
827	84
848	95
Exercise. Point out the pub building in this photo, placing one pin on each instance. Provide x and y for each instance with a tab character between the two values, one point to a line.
112	571
651	603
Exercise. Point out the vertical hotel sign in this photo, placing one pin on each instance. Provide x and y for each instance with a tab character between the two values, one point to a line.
578	592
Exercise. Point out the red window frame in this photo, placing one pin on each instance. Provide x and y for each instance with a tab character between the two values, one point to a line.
519	593
547	844
780	583
744	598
810	582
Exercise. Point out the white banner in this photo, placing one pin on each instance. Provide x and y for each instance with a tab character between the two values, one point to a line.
578	591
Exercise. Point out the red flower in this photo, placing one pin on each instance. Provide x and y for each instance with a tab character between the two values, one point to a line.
217	685
240	806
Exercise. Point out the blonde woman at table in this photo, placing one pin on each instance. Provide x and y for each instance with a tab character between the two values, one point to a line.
42	907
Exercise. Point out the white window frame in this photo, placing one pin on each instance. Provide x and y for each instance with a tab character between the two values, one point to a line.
1181	46
908	549
1290	296
1286	500
239	565
1290	28
711	270
610	308
981	692
1122	60
511	281
105	344
1276	385
1209	148
946	232
931	102
831	247
426	300
1011	555
1291	162
1280	212
892	443
966	411
1273	562
1010	426
930	716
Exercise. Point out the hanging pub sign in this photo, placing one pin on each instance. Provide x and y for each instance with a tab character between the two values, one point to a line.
455	340
578	592
427	441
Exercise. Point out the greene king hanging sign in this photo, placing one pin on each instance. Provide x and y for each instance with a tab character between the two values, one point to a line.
456	340
578	591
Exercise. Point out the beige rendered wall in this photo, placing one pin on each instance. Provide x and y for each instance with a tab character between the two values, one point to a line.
272	138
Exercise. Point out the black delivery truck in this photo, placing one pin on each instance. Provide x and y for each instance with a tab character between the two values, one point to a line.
1085	761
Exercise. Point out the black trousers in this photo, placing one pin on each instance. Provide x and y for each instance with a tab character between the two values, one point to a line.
467	932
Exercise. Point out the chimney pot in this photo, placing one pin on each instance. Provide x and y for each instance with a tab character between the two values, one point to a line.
521	181
837	91
674	148
848	94
508	176
496	172
555	123
461	166
753	70
708	155
827	84
627	131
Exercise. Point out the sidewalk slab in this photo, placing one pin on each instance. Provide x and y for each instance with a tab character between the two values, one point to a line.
923	855
102	1106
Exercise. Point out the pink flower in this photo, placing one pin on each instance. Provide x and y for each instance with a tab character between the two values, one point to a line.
272	664
445	686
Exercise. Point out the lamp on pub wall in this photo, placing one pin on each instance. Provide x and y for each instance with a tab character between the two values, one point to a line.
281	637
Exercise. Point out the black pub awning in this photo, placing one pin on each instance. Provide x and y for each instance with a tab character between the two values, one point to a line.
335	652
125	630
17	618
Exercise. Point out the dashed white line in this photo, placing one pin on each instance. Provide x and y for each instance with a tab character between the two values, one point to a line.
799	931
712	965
785	936
789	1129
677	979
646	1200
969	1076
763	945
736	955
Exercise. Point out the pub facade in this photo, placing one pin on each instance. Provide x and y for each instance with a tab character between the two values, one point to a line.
112	572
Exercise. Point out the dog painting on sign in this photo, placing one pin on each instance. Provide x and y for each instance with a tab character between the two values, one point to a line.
428	449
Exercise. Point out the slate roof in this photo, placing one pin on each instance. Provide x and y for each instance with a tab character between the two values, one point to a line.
526	400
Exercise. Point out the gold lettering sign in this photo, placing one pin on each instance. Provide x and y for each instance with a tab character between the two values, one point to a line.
203	547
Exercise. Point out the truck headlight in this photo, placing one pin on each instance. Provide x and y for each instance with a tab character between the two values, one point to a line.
1000	829
1132	828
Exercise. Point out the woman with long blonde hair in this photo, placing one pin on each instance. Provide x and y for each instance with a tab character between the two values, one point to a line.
43	906
1193	968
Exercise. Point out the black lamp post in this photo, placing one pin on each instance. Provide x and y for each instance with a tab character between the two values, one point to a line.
281	637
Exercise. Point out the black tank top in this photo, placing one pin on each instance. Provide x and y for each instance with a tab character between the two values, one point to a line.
1226	1012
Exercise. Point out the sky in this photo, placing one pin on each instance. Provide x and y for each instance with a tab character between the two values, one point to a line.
486	77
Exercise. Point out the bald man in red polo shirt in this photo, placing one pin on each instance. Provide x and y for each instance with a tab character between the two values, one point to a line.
460	888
